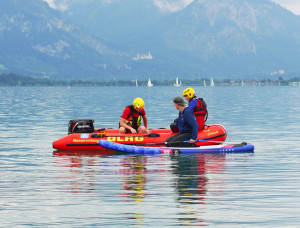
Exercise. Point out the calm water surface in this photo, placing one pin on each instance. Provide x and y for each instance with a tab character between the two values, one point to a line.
40	188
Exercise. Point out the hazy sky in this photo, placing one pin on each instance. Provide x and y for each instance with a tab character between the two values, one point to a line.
292	5
174	5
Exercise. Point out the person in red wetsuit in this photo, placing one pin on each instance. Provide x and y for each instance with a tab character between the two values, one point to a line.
197	105
132	116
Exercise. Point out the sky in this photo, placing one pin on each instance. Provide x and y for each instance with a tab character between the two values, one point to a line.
174	5
292	5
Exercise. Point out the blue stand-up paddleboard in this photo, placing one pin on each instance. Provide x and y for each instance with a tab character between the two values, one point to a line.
218	149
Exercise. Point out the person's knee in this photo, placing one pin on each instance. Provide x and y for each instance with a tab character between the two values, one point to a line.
122	130
141	129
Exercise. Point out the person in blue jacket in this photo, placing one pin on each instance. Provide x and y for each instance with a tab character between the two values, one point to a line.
187	125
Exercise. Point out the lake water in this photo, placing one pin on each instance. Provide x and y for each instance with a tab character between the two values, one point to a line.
40	188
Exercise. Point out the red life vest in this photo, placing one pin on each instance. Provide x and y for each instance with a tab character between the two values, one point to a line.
200	112
134	119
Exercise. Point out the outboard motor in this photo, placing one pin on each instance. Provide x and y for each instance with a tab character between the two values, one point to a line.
81	126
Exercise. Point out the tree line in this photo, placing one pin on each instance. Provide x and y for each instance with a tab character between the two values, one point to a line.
12	80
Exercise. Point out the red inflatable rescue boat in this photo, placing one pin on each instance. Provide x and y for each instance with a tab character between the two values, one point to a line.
83	137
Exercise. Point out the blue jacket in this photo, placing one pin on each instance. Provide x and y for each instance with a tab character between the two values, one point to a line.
186	122
192	104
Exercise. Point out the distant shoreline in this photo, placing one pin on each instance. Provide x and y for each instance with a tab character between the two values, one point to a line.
15	80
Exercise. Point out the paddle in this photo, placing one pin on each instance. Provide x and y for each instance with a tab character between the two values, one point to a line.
200	140
166	143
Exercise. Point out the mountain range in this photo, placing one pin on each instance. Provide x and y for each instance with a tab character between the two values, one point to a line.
129	39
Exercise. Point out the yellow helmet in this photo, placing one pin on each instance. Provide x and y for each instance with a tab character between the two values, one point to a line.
138	103
188	92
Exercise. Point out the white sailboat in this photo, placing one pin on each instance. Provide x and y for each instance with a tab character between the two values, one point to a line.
176	83
212	82
149	83
136	84
204	83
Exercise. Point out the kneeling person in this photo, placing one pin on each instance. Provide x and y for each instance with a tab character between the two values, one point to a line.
132	116
197	105
187	125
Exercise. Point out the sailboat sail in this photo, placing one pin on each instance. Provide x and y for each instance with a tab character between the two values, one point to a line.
136	83
212	82
176	83
149	83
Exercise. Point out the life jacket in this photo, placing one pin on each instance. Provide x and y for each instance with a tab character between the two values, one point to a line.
134	119
200	112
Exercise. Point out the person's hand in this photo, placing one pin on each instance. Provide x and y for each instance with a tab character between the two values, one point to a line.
148	131
133	131
192	141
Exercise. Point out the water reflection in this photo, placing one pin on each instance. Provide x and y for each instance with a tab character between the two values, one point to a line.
196	177
133	174
80	170
183	180
193	172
